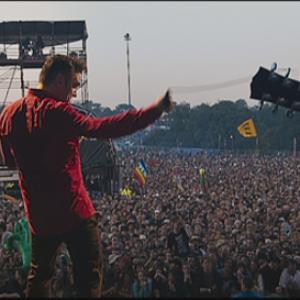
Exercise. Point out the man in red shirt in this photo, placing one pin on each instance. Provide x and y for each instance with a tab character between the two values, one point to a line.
40	135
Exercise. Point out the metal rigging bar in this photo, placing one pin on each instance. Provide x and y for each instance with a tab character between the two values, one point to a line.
10	82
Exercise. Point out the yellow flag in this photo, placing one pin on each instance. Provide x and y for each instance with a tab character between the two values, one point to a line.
247	129
126	192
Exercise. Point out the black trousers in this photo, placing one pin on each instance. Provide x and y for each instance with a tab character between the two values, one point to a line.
83	244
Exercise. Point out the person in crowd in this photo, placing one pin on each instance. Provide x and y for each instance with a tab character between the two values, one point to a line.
290	279
38	47
178	240
247	289
160	280
142	287
210	283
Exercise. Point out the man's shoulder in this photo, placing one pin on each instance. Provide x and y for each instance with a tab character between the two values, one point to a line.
9	111
13	104
51	104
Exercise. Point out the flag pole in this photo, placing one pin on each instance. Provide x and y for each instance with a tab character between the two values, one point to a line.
256	145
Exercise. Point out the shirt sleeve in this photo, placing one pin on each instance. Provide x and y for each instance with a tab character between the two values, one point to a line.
74	123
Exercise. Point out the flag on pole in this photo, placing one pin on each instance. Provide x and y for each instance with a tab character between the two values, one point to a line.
140	172
127	192
203	182
143	167
247	129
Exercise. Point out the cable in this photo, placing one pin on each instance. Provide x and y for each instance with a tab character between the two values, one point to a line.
11	80
209	87
214	86
1	79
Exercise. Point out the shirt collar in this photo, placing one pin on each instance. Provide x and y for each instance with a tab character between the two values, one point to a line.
41	94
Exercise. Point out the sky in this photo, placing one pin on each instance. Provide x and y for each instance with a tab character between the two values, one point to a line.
175	44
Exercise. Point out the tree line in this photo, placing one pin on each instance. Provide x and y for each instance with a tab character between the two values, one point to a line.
215	127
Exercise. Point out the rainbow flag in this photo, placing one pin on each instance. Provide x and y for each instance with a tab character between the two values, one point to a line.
140	172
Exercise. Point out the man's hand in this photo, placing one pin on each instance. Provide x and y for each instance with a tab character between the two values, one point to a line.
166	102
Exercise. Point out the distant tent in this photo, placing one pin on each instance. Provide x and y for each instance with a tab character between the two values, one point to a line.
98	160
96	153
99	167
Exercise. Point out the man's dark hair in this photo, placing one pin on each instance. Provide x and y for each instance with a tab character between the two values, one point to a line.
59	64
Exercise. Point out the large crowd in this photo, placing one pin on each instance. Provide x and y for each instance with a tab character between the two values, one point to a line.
173	238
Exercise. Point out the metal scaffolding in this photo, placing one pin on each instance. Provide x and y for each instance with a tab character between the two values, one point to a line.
27	44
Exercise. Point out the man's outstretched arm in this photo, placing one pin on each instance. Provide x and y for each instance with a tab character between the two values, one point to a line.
119	125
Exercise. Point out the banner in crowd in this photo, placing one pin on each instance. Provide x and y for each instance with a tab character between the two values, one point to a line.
20	240
9	198
247	129
141	172
203	182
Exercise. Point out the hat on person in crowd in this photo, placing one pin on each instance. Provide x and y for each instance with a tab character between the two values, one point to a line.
142	237
268	241
249	221
195	238
220	243
235	231
281	219
259	201
113	257
114	228
130	221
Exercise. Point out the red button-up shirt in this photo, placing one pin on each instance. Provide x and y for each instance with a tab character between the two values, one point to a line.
40	134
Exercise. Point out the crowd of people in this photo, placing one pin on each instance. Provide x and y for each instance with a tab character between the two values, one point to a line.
173	238
29	47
